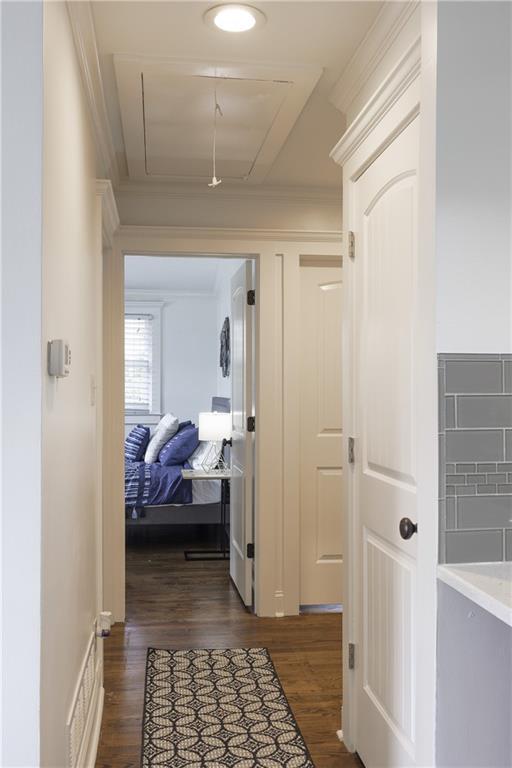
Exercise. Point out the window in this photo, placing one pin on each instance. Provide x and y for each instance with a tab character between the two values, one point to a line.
142	358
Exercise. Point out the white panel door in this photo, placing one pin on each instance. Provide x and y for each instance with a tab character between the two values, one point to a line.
241	505
321	436
386	324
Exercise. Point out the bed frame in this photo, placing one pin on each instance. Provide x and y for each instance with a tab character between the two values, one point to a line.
180	514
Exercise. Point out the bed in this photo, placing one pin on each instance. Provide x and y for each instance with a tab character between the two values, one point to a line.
158	495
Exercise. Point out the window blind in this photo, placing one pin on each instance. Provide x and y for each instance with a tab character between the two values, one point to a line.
138	361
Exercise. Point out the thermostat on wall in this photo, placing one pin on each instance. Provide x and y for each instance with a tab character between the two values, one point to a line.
59	358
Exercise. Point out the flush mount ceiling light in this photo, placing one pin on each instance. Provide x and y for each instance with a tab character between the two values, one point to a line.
233	17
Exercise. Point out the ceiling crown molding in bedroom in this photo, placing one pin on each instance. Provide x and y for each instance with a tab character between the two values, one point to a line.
377	42
84	34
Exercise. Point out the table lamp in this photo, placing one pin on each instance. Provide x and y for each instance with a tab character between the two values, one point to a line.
215	427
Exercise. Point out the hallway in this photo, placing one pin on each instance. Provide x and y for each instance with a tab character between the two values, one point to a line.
172	603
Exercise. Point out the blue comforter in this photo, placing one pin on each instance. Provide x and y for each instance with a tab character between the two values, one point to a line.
147	484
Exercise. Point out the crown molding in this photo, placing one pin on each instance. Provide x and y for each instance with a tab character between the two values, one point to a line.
130	232
163	296
232	192
84	34
378	40
109	215
385	97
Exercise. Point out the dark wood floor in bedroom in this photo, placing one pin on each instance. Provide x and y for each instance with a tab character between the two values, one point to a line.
172	603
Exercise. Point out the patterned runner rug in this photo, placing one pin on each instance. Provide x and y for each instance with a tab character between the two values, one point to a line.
216	708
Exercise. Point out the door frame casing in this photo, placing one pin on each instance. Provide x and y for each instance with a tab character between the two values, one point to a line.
394	106
277	255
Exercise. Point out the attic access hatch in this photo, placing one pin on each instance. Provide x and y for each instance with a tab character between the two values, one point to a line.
167	116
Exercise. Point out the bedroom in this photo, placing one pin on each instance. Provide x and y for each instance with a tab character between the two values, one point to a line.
177	372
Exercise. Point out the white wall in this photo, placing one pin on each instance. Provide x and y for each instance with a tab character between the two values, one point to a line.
190	344
189	355
71	307
224	208
21	354
226	270
473	177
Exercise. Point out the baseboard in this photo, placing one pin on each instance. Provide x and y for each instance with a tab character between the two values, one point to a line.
89	748
84	721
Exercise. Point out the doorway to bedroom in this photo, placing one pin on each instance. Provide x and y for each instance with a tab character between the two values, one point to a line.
188	410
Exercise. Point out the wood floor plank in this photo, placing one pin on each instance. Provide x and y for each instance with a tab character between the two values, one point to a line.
172	603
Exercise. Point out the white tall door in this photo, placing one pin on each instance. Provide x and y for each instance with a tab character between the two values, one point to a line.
321	436
386	380
241	506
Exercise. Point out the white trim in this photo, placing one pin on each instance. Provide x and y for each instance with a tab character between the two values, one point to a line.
163	296
231	191
109	214
148	419
82	25
386	96
275	504
89	749
128	232
370	53
155	309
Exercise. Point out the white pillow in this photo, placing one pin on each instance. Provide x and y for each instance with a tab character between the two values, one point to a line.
200	453
166	428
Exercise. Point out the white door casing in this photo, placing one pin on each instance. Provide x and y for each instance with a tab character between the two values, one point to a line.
241	503
321	436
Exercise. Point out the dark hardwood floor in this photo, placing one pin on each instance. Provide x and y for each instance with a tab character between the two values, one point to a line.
172	603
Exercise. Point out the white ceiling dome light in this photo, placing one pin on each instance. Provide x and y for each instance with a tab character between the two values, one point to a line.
234	17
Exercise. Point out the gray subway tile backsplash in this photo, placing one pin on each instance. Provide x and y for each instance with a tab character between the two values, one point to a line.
508	444
508	545
497	477
477	478
475	457
474	546
450	412
488	489
487	467
485	512
478	376
474	444
483	411
507	375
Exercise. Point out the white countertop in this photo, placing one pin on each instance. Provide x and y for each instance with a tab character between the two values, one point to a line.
489	585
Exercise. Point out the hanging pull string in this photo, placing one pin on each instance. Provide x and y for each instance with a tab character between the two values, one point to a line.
216	111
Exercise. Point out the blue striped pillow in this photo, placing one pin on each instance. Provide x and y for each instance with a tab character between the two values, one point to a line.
136	443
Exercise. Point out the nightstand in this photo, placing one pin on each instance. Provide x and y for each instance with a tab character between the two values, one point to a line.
224	476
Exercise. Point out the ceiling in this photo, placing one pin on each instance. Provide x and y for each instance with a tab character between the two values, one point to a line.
160	63
173	274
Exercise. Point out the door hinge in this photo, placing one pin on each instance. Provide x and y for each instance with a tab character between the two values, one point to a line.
351	245
251	423
351	656
351	450
251	297
250	551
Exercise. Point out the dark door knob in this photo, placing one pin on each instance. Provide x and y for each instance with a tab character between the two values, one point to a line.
407	528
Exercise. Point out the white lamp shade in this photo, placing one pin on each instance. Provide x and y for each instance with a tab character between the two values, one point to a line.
214	426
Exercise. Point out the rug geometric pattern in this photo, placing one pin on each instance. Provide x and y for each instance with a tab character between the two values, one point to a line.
217	709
